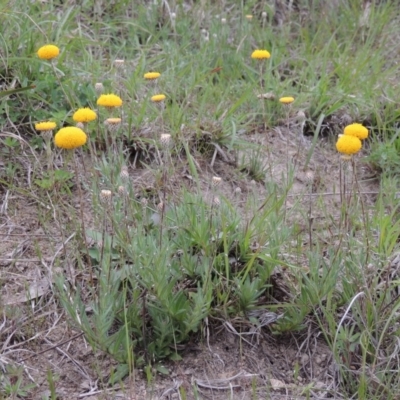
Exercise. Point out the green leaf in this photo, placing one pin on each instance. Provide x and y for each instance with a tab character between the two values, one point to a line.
175	357
162	370
4	93
119	374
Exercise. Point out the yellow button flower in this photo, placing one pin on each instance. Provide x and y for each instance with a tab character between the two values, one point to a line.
48	52
84	115
151	75
109	100
348	145
70	138
157	98
260	54
356	130
286	100
45	126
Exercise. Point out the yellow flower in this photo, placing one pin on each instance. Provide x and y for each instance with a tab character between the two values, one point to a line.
286	100
157	98
48	52
260	54
70	137
84	115
45	126
109	100
348	145
151	75
356	130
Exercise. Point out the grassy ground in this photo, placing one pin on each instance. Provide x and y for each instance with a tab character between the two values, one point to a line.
218	221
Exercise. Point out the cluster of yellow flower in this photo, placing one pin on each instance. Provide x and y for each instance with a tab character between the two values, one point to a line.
152	77
349	142
263	55
72	137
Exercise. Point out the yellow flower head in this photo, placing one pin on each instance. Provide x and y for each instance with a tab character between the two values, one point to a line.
45	126
348	145
356	130
70	137
260	54
151	75
48	52
84	115
157	98
109	100
286	100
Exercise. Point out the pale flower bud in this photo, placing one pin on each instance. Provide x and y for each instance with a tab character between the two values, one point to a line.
165	140
216	180
238	191
124	174
122	191
99	87
119	64
144	202
309	176
105	197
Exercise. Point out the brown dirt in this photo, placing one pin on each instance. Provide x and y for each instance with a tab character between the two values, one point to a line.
34	331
